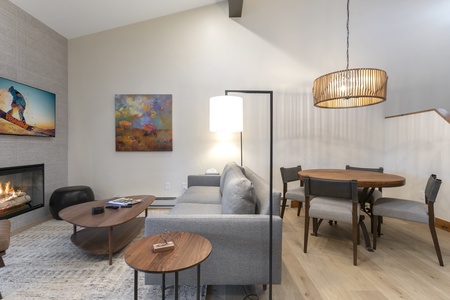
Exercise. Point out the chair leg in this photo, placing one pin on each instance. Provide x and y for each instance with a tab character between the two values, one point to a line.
283	207
355	238
436	243
265	287
316	225
374	234
380	220
300	204
306	233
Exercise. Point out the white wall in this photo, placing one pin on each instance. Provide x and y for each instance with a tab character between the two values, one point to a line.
418	146
278	45
198	54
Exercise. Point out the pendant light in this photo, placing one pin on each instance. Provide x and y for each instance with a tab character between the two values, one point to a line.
350	87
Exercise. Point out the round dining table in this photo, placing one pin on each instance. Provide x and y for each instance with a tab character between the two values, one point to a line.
367	180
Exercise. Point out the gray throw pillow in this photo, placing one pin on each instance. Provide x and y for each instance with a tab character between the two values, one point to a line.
227	167
238	195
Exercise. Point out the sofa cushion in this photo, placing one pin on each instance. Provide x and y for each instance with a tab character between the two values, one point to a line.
262	198
238	195
196	209
201	194
228	166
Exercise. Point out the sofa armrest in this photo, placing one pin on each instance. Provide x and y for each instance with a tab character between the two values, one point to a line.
203	180
240	246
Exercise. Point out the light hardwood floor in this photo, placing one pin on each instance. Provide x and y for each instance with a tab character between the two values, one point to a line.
404	265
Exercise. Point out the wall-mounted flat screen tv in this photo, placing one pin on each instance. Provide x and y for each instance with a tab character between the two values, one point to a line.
25	110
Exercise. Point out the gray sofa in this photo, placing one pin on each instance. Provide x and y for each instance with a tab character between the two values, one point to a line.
232	212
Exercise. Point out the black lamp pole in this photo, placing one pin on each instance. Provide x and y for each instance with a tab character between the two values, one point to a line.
270	93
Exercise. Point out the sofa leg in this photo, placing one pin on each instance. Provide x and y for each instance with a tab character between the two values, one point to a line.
2	264
265	287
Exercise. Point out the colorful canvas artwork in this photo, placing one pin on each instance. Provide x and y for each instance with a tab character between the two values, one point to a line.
25	110
143	122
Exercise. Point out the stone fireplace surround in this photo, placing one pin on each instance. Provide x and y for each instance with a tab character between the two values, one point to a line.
42	64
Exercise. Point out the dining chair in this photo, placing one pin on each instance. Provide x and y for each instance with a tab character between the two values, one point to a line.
374	193
297	193
333	200
411	210
368	196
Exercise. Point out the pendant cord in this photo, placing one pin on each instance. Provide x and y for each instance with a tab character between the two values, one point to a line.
348	31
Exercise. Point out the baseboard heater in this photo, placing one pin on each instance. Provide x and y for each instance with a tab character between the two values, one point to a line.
164	202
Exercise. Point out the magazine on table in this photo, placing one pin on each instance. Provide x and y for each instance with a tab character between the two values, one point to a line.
123	201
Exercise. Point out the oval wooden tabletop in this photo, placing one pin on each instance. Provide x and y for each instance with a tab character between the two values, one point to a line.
190	250
81	214
364	178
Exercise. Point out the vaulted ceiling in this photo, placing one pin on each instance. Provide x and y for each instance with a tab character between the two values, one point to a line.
75	18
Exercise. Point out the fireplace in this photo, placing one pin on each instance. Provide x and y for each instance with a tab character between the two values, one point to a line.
21	189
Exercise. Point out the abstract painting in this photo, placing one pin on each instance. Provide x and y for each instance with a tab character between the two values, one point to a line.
143	122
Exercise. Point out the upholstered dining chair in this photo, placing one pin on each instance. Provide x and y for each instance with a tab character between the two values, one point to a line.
333	200
411	210
371	194
297	193
376	193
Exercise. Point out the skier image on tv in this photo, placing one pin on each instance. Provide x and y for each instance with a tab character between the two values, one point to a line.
18	103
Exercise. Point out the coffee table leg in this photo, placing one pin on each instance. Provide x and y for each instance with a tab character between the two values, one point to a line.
176	286
135	284
198	282
110	244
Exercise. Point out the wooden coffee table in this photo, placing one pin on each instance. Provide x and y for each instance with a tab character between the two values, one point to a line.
190	250
108	232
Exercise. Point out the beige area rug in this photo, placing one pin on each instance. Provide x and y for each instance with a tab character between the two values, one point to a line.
42	263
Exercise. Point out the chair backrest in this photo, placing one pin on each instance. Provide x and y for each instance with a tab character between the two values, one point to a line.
432	188
380	169
347	189
290	174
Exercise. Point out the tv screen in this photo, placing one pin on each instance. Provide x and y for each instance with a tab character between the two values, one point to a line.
25	110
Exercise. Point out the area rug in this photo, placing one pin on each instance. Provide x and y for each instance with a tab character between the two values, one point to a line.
42	263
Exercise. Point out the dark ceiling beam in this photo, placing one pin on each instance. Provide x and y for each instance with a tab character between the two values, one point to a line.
235	8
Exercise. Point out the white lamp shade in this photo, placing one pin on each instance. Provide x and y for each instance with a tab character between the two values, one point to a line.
226	114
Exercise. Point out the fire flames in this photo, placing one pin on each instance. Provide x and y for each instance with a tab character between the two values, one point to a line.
8	192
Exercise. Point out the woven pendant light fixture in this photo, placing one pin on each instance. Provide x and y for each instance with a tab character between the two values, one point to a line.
350	87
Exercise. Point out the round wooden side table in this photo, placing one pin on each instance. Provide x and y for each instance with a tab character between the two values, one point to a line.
190	250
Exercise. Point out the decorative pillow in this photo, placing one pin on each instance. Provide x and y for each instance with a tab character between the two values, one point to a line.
238	195
227	167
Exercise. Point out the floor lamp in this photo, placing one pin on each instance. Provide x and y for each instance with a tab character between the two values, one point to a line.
226	115
231	98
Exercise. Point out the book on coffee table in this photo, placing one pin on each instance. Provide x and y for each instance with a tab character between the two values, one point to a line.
123	201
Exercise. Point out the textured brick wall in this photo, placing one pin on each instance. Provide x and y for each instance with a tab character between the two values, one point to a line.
33	54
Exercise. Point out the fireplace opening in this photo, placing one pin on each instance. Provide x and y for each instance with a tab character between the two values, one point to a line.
21	189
